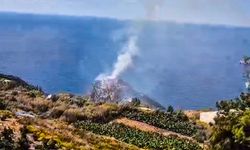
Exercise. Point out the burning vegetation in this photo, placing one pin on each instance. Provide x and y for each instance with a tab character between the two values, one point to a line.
120	92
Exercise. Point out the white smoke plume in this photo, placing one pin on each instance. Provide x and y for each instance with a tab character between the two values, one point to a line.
124	60
130	50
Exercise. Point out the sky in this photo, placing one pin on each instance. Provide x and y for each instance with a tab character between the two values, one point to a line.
222	12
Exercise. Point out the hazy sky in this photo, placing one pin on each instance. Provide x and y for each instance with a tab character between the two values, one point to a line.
227	12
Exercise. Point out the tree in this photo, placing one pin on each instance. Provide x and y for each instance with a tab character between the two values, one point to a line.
136	102
231	130
170	109
2	104
6	140
23	141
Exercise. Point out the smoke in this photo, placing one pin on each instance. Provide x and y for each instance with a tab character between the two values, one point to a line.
124	60
153	8
130	50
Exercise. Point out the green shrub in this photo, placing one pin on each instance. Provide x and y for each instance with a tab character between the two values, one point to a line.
49	141
3	104
5	114
136	102
23	143
35	93
231	130
6	140
200	136
170	109
80	101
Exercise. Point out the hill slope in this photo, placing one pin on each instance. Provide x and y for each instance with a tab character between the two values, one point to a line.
33	120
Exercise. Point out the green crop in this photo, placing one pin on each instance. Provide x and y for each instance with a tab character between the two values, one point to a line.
176	122
148	140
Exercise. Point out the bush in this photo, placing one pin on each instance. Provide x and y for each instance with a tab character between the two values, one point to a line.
232	131
5	114
49	140
57	111
3	105
14	93
80	102
136	102
35	93
232	126
6	140
23	141
41	105
73	114
200	136
170	109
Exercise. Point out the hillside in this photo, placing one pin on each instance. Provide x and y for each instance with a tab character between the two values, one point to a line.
30	119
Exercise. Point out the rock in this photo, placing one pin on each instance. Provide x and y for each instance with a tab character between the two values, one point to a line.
64	97
52	97
9	82
24	114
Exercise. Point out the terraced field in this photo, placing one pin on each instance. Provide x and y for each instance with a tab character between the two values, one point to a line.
142	139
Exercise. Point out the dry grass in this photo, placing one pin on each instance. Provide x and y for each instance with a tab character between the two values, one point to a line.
11	123
27	103
73	114
41	105
99	110
76	138
193	114
57	111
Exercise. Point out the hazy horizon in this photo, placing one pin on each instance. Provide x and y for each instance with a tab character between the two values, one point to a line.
224	12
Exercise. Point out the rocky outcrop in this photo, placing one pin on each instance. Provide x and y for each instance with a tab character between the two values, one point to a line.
10	82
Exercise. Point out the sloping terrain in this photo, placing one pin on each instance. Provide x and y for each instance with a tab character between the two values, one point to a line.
31	119
148	128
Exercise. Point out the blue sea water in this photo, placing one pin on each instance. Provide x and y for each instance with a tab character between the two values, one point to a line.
184	65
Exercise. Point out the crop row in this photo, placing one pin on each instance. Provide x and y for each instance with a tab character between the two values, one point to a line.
175	122
137	137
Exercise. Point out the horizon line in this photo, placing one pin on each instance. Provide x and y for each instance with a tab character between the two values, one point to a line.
128	20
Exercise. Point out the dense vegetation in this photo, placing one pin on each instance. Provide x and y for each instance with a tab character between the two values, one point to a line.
139	138
7	140
172	121
232	126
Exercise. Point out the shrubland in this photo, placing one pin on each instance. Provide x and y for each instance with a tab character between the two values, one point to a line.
232	125
31	118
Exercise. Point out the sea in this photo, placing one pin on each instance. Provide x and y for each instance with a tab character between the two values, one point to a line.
188	66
